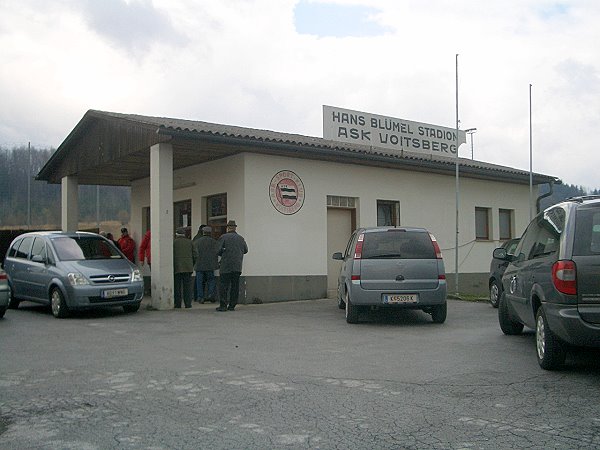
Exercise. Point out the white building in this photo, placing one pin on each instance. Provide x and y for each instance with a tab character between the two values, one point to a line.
295	198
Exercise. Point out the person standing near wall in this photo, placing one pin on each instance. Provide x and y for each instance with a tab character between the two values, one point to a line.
144	252
232	248
127	245
183	266
205	264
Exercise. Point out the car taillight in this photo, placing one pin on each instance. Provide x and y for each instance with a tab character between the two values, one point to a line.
564	277
3	276
359	246
436	247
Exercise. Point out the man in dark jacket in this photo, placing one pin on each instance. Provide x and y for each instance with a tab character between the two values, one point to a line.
232	248
205	264
183	266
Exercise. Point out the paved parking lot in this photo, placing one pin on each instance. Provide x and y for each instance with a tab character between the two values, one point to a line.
289	375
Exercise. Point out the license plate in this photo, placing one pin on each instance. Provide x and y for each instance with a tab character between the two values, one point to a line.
111	293
400	298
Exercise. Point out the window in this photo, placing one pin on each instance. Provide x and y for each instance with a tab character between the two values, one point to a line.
505	220
24	247
482	223
216	214
39	248
388	213
542	236
341	202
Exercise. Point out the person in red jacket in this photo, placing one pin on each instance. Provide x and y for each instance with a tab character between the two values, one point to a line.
144	252
127	245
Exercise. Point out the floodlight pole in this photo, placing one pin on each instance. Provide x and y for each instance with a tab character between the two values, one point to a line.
530	160
457	189
470	132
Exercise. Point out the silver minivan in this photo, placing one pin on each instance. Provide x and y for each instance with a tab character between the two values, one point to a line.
71	271
392	267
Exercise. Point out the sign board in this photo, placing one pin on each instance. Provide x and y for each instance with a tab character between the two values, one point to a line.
398	135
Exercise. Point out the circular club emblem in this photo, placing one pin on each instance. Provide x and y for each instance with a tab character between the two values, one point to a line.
287	192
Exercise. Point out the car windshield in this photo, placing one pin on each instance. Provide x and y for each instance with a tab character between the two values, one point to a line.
398	245
587	232
71	248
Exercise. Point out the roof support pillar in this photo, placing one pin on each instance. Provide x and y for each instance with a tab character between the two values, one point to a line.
161	224
69	191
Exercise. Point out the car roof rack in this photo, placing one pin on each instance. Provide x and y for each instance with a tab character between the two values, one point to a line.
582	198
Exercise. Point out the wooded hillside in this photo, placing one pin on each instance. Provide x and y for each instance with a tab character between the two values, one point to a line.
20	163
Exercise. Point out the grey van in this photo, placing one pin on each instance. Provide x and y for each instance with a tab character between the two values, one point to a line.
392	267
552	283
71	271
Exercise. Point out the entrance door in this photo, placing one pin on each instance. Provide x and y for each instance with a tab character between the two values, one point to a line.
339	228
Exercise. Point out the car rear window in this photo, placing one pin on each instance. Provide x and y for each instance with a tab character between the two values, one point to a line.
398	244
587	232
85	247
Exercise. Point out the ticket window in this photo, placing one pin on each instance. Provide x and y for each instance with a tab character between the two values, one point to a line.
216	214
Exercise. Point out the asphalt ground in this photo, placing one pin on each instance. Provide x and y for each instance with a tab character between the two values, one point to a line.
286	375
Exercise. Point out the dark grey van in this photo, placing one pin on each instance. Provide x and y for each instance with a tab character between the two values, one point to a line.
552	283
70	271
389	267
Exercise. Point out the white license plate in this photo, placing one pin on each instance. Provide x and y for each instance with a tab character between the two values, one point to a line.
111	293
400	298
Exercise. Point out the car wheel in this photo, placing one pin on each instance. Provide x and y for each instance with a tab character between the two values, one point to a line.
13	303
439	312
2	311
351	310
507	325
495	289
551	352
131	308
58	304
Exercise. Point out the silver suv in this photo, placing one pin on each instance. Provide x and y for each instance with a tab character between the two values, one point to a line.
71	271
389	267
552	283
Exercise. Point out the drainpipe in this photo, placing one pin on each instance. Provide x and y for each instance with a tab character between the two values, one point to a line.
547	194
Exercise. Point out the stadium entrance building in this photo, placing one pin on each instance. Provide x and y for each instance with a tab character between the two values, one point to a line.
296	199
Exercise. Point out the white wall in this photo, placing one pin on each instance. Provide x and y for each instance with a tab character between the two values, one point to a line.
297	244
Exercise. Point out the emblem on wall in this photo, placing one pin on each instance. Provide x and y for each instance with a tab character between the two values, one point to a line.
286	192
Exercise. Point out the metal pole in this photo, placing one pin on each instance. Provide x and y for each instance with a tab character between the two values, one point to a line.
530	160
470	131
98	207
29	187
457	189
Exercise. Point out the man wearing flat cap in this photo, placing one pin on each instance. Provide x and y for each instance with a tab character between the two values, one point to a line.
232	248
205	264
183	266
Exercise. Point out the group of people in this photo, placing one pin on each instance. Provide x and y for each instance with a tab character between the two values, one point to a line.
202	256
127	245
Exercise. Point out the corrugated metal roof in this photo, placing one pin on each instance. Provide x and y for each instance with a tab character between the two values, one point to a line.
266	141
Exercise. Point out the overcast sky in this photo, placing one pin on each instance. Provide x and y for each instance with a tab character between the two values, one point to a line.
272	64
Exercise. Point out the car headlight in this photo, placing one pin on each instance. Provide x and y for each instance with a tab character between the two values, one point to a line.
136	275
77	279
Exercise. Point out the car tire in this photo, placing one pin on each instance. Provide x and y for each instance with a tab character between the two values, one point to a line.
131	308
495	290
58	304
508	326
439	313
550	350
351	310
2	312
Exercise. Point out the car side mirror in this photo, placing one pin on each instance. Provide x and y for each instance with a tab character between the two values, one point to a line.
500	253
38	259
338	256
